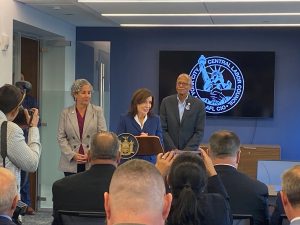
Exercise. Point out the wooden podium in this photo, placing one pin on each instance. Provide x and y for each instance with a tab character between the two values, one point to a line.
149	145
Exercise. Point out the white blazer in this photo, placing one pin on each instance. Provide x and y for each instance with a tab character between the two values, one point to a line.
68	136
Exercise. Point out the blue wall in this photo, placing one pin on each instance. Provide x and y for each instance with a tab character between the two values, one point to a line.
84	66
135	61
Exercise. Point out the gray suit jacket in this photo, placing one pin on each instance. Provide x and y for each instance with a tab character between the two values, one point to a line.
69	137
187	134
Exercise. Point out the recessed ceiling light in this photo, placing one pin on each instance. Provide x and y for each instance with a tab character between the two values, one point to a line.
182	1
195	14
210	25
57	7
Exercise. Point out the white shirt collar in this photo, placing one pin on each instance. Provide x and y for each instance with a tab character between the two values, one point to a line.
224	164
296	218
137	120
183	100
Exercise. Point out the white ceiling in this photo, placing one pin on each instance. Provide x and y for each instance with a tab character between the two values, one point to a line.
287	13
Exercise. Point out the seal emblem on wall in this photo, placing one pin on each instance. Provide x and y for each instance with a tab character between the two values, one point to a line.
218	82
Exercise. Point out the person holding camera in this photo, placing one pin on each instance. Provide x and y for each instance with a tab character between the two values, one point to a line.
28	103
19	155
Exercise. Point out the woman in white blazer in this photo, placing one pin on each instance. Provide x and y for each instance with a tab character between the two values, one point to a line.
77	124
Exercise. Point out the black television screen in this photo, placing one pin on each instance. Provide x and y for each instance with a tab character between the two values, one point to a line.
231	84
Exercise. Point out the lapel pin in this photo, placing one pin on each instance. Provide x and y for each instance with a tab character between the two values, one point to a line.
188	106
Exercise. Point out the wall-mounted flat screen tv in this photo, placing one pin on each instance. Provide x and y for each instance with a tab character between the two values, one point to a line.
230	83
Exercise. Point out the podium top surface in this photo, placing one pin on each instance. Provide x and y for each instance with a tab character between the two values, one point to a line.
149	145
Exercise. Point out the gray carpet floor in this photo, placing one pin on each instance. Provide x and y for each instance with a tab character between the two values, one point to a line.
40	218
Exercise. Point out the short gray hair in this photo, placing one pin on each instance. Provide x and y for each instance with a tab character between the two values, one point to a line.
8	189
104	145
224	143
136	186
77	86
291	185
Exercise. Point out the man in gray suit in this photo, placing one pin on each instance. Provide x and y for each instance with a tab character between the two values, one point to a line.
182	118
290	194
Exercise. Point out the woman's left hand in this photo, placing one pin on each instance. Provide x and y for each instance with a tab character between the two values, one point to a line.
144	134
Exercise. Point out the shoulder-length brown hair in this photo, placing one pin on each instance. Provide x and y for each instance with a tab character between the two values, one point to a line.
138	97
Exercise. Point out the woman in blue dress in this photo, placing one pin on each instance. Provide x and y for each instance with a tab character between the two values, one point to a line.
140	120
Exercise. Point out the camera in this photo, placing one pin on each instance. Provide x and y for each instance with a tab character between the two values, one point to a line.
21	120
194	152
20	210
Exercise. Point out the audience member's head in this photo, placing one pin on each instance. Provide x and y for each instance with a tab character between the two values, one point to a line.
8	192
187	180
11	98
137	194
224	147
290	193
104	146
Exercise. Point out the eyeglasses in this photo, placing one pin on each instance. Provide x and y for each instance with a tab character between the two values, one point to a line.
182	84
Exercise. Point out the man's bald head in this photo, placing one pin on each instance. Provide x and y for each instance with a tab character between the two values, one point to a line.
139	181
104	145
291	185
137	189
185	76
224	143
8	192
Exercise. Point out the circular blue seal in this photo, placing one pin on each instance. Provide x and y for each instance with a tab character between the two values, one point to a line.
218	82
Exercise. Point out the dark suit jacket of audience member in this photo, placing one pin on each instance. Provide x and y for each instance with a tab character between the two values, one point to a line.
220	199
215	210
247	196
83	191
186	134
6	221
275	218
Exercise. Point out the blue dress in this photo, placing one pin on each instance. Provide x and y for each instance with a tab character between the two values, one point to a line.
152	126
